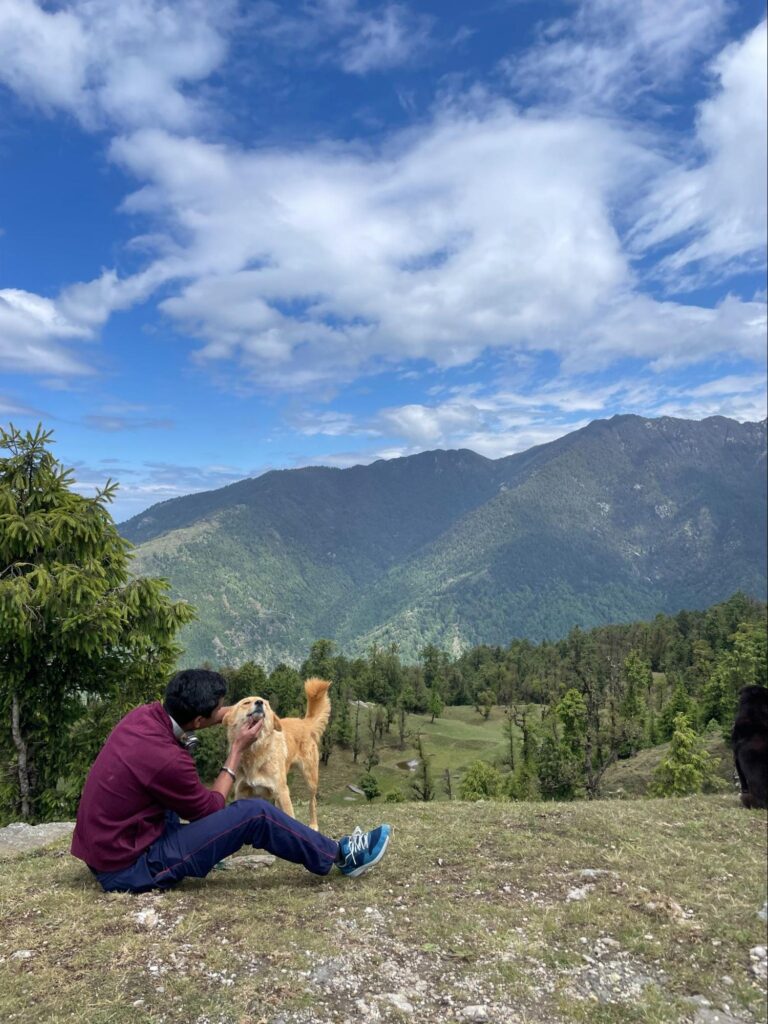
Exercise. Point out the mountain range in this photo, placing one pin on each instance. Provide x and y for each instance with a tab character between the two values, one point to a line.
618	521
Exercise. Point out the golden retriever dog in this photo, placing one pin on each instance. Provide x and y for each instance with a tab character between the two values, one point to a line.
282	743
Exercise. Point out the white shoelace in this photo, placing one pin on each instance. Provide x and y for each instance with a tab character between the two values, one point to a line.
358	842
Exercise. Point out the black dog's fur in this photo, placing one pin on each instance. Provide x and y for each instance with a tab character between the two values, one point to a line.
750	745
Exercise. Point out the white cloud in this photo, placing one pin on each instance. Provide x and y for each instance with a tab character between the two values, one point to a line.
113	424
384	40
33	333
716	211
11	407
146	483
607	52
36	332
123	63
484	229
500	421
487	229
668	334
741	398
341	32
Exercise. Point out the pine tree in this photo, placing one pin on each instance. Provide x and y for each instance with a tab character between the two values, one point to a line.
342	724
679	703
321	661
286	691
559	765
370	786
422	786
436	705
632	707
81	640
249	680
688	768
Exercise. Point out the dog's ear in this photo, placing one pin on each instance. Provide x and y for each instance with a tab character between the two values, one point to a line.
277	725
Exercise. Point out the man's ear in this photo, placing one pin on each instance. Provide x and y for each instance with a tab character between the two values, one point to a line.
277	725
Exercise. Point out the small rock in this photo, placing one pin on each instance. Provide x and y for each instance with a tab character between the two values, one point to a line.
148	918
763	914
578	893
709	1015
699	1000
759	963
324	974
475	1013
399	1001
23	954
18	837
253	860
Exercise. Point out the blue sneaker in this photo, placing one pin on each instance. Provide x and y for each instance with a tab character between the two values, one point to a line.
360	851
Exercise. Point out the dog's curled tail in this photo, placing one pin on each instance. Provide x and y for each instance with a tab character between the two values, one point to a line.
318	705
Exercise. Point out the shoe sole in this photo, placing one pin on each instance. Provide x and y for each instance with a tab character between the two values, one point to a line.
371	863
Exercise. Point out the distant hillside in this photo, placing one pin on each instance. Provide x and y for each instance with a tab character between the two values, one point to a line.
618	521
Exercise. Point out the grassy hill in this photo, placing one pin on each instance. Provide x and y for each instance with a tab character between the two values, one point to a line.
456	739
618	521
633	912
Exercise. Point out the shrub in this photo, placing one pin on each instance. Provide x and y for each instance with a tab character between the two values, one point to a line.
482	781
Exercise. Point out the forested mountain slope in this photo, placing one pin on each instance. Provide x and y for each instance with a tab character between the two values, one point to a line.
622	519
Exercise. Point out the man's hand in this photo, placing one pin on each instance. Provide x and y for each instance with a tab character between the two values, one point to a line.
247	733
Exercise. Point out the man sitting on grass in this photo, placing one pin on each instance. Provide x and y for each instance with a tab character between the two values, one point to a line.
128	828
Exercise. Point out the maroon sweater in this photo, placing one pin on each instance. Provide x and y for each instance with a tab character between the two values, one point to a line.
141	772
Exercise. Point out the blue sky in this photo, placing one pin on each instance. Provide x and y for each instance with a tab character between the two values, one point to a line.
244	236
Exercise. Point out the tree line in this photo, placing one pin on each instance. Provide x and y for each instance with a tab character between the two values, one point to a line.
571	707
82	641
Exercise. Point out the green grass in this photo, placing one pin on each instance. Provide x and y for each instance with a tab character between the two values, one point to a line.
456	739
470	907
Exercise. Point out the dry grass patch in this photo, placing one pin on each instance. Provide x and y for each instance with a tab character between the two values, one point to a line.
602	912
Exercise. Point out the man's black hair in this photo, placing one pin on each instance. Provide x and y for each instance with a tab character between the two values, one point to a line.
193	692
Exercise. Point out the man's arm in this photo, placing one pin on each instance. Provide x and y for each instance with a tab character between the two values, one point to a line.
178	787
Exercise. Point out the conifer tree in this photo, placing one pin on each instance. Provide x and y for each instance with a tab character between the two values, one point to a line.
436	705
321	661
423	787
679	703
370	786
76	629
342	724
688	768
286	691
248	680
632	707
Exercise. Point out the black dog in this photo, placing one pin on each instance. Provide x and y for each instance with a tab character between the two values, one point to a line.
750	745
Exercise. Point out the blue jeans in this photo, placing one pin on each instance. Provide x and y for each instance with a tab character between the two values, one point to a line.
192	850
